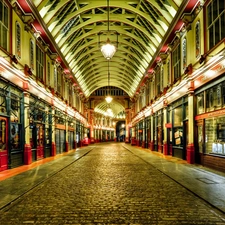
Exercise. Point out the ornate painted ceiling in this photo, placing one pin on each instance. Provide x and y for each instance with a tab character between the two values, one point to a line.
143	26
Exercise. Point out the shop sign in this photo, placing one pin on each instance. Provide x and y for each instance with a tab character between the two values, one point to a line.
168	125
211	114
206	77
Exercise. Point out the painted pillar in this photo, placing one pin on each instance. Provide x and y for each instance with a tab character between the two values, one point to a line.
152	132
143	134
190	146
92	138
27	146
133	139
53	132
165	144
75	134
67	131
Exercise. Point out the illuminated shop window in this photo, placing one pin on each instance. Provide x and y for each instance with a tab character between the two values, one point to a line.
200	103
216	22
215	135
4	25
18	40
197	40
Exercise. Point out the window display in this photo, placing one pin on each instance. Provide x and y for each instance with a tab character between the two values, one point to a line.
215	135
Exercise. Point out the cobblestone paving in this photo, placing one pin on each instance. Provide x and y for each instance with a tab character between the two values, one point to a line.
110	186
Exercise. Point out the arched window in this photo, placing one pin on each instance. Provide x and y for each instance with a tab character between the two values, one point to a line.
168	72
197	40
18	40
184	53
31	54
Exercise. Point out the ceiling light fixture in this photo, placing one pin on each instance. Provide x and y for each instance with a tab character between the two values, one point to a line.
108	49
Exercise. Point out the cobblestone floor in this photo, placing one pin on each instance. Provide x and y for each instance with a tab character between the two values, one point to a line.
110	185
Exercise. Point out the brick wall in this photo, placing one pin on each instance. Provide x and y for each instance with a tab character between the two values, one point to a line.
214	162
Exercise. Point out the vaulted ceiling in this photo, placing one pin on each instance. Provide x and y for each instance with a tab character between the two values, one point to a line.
76	27
141	26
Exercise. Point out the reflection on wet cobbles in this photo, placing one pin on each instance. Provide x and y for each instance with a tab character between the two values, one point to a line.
110	185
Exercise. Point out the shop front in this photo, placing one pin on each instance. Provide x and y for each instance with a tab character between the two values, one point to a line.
179	131
60	132
210	125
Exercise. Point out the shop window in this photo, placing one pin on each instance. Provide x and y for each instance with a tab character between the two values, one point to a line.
18	40
178	119
178	126
39	64
4	25
200	103
15	136
197	39
215	135
178	136
216	22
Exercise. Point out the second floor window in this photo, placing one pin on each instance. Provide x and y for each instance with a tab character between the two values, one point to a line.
197	40
184	53
18	40
4	25
176	62
31	54
39	64
48	73
216	22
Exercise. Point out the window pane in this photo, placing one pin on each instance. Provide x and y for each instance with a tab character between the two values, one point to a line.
1	11
222	26
215	11
178	120
215	135
4	37
211	37
6	17
209	10
217	32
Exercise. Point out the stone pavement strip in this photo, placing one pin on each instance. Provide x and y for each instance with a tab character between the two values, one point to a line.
110	185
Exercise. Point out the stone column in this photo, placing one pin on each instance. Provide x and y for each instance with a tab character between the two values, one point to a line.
152	132
165	144
190	146
27	146
53	132
67	134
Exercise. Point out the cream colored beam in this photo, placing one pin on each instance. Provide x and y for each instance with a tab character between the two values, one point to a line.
97	4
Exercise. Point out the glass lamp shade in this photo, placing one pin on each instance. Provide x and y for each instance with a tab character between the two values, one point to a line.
108	50
108	99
